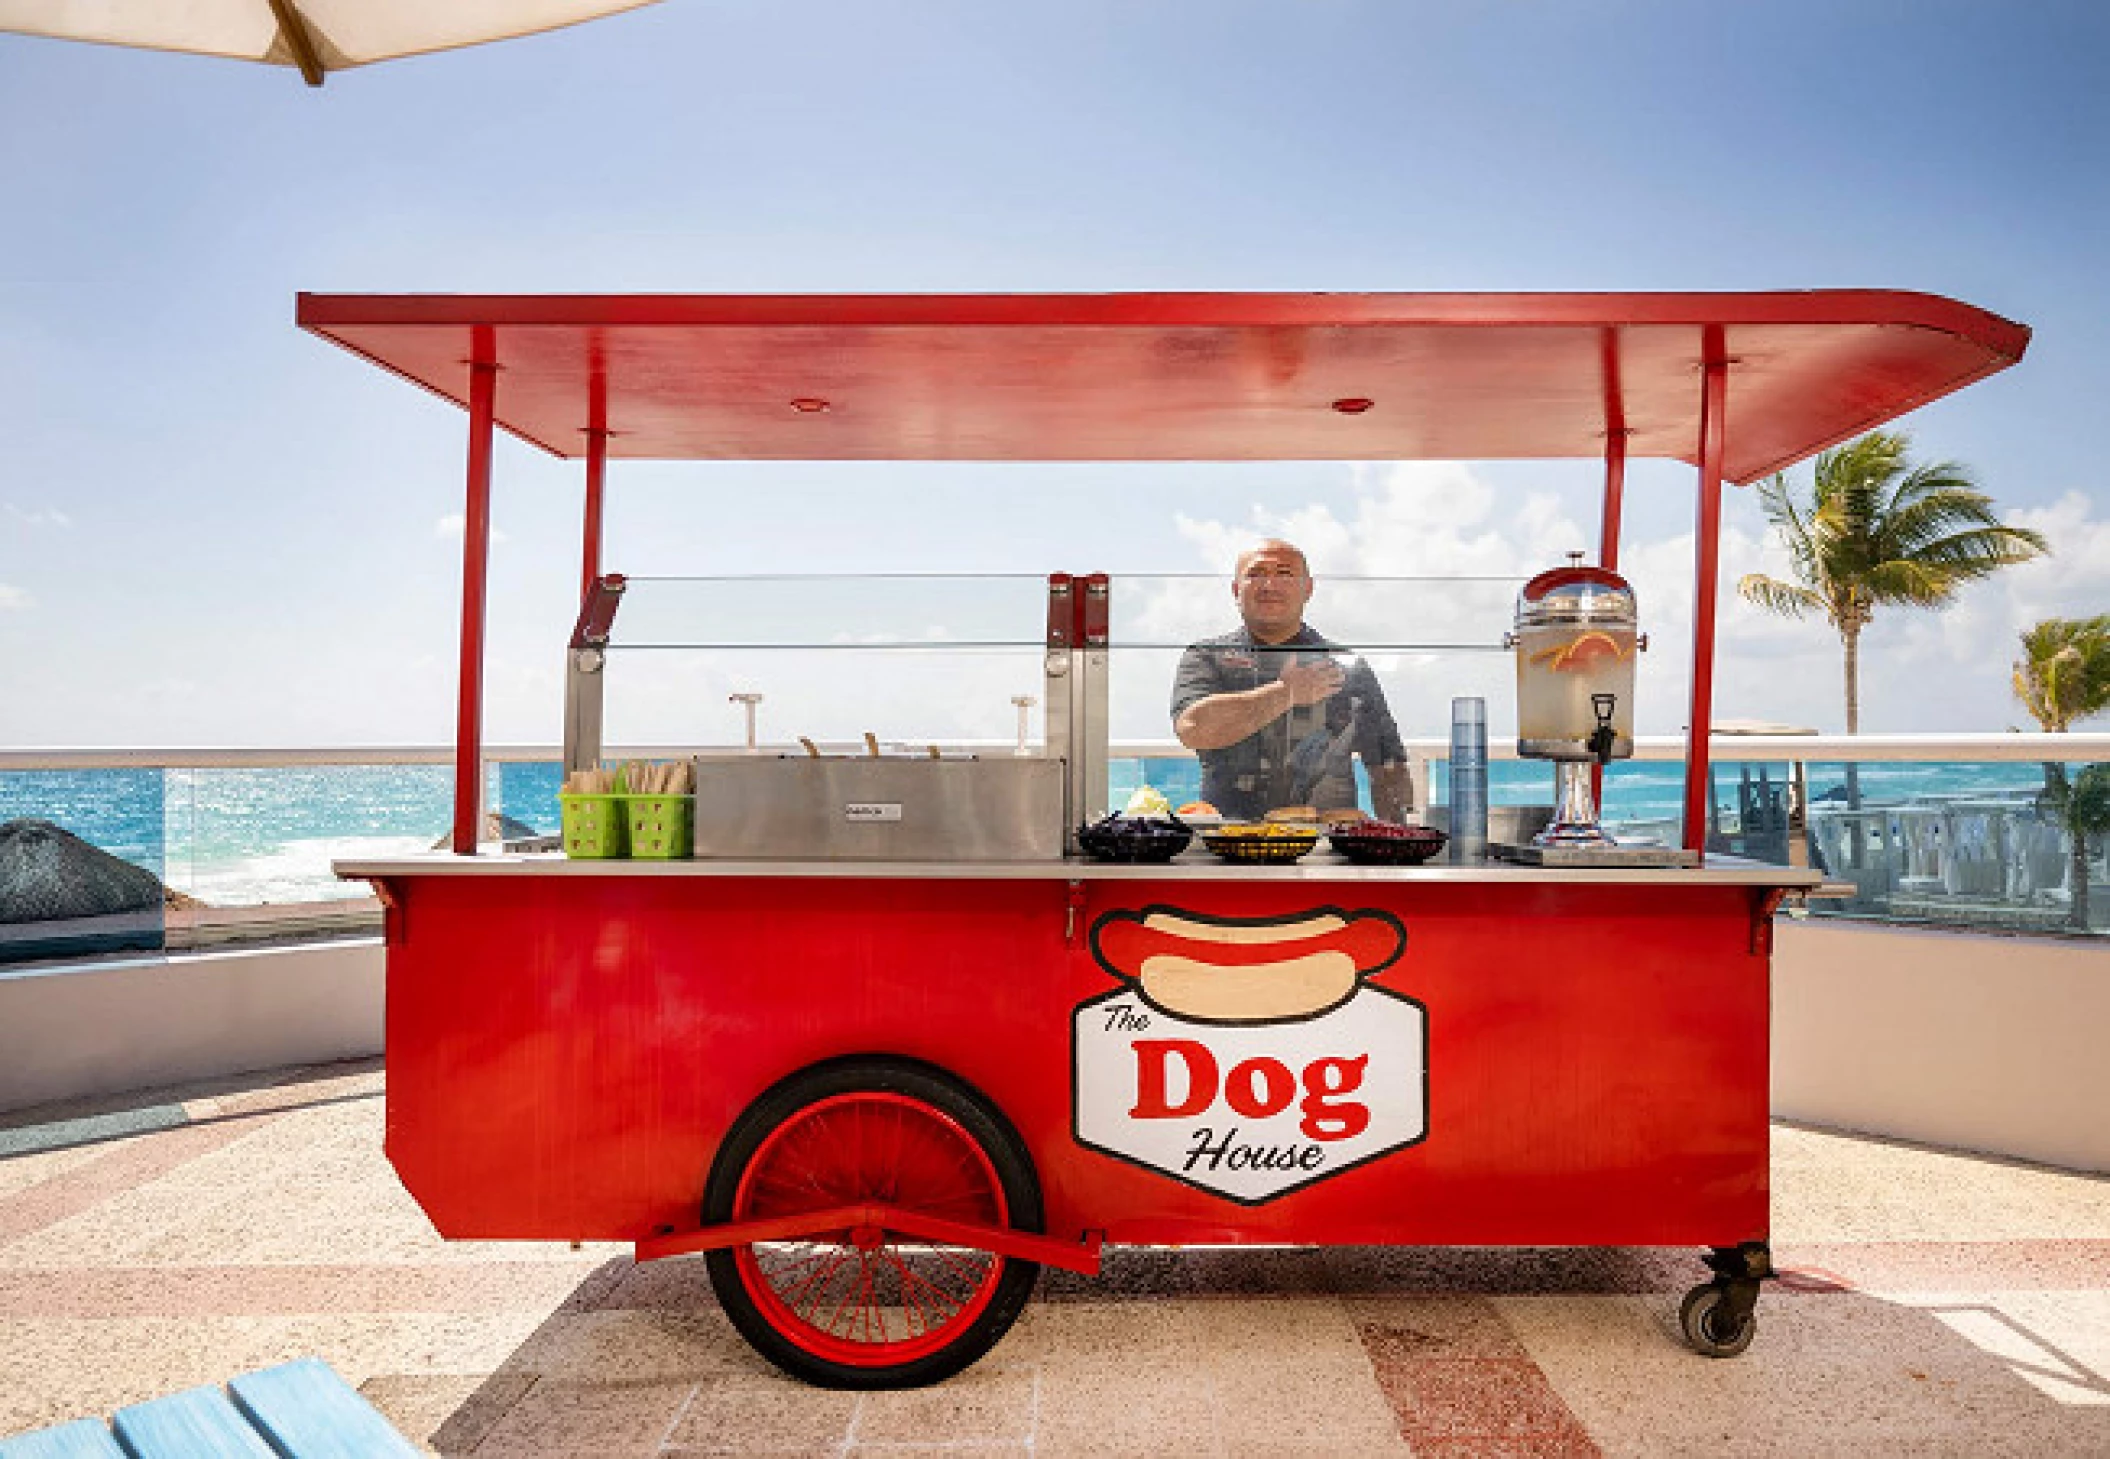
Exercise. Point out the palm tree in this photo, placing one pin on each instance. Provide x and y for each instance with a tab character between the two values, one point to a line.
1878	530
2064	675
2064	672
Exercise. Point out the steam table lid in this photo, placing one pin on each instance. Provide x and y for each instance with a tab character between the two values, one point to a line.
1577	594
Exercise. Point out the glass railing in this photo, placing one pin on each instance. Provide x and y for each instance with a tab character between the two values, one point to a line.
1966	831
83	861
130	851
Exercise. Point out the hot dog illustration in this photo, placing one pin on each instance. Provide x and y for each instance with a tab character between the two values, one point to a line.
1246	969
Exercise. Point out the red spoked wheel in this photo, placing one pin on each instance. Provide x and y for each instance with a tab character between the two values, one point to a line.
868	1307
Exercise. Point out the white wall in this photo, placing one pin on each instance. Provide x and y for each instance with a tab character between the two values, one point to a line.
1959	1040
108	1027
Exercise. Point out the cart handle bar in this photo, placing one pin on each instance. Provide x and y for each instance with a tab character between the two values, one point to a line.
1074	1256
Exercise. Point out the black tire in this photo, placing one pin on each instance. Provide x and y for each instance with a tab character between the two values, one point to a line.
952	1153
1703	1319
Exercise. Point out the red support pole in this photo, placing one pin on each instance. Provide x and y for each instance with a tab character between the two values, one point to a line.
596	475
476	553
1615	434
1614	501
1714	398
1608	539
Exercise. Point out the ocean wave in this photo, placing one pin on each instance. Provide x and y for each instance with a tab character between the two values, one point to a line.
296	871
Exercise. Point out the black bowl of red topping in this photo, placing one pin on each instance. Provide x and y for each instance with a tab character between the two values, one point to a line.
1386	843
1134	838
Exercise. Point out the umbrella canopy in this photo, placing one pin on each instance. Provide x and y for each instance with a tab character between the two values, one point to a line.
314	35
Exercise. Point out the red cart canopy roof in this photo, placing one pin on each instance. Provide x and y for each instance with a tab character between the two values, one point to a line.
1137	377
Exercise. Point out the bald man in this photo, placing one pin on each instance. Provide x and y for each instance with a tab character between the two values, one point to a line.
1272	712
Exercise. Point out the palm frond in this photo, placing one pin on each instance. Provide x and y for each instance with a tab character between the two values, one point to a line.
1853	481
1919	584
2035	699
2064	672
1787	599
1927	525
1939	478
1778	503
1930	516
2052	635
1981	550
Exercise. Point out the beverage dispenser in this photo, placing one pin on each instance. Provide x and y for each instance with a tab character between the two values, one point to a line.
1575	642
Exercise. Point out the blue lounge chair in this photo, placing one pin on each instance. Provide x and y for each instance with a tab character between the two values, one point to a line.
297	1410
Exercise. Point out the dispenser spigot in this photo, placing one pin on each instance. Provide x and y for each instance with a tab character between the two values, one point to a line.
1602	738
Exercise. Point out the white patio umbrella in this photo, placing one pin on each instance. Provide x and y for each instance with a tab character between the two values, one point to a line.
316	36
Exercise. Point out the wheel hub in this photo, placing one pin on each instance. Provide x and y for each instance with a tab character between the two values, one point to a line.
867	1238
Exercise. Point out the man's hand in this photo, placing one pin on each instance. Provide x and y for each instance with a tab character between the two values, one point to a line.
1310	683
1225	719
1391	792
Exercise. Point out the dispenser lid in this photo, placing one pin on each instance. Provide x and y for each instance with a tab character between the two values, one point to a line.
1577	594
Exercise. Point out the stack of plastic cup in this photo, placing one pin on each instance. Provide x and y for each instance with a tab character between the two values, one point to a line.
1468	776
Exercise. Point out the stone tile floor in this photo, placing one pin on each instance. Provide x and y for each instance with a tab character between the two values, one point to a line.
1935	1304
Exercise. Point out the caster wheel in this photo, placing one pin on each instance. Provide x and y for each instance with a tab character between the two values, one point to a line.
871	1308
1708	1328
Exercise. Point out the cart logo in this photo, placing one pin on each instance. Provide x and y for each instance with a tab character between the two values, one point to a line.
1248	1056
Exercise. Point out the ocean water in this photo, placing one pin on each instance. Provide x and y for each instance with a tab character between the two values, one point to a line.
253	837
265	836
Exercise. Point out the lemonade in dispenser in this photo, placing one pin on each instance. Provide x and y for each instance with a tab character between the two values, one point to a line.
1575	642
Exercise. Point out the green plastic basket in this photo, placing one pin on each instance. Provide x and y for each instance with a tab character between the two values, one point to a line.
595	826
660	825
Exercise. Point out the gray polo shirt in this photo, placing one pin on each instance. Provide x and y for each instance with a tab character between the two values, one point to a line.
1303	757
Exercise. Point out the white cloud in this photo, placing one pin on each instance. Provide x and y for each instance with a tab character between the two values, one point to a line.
14	597
39	517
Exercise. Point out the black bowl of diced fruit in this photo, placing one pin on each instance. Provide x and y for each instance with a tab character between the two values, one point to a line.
1121	837
1385	843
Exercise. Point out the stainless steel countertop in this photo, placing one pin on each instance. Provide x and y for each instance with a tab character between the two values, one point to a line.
1319	866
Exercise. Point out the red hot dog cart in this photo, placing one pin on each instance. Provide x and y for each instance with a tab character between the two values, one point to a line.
878	1091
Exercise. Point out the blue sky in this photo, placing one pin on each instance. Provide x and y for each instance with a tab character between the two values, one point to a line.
216	530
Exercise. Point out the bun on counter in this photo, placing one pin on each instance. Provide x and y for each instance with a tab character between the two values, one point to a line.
1300	814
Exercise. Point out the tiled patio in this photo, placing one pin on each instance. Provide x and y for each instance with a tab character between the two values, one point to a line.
1935	1304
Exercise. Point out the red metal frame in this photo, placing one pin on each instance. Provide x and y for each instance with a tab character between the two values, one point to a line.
1707	536
1075	1256
1609	518
596	431
547	1033
590	530
1615	433
1158	376
476	556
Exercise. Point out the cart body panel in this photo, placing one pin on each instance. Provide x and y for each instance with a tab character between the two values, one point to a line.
566	1053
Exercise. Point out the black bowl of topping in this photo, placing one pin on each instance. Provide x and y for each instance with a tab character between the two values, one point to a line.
1134	838
1261	844
1386	843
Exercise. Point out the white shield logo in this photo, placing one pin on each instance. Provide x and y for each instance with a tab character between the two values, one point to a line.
1278	1067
